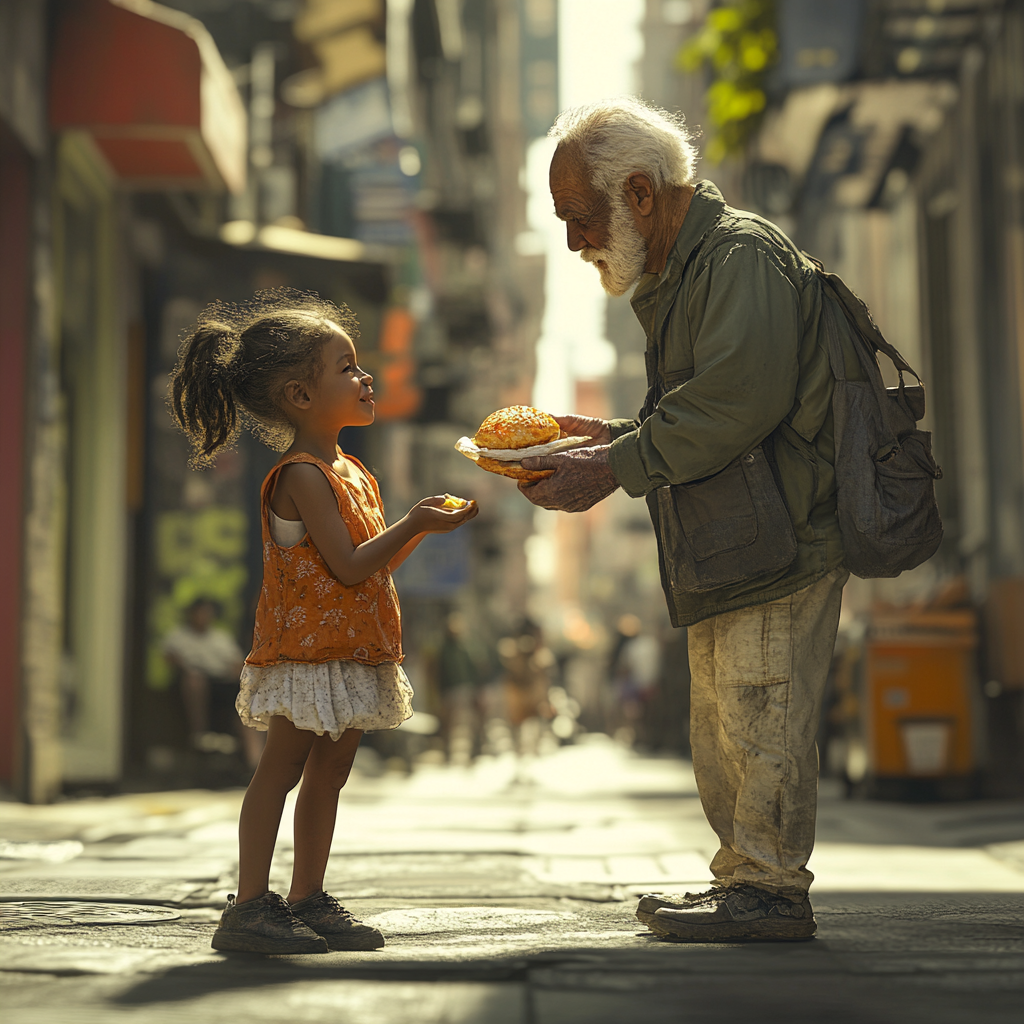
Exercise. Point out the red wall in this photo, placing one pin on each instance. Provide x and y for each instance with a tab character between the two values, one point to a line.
15	279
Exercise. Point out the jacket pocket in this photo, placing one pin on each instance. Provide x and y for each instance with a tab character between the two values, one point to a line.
727	529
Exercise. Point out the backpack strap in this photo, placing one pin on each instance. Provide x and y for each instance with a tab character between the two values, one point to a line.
860	319
895	409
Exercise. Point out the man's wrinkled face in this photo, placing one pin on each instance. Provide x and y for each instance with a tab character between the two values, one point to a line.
599	227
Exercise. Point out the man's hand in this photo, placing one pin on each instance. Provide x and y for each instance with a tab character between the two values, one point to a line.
582	476
585	426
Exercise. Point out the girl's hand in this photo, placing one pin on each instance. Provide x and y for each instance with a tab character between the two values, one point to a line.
429	515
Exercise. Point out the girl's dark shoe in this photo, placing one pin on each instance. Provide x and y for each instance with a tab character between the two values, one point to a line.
265	925
329	919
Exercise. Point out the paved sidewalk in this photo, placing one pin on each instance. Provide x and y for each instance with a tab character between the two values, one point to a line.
507	893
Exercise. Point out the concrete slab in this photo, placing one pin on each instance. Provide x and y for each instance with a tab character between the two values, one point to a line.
464	920
872	867
311	1000
96	887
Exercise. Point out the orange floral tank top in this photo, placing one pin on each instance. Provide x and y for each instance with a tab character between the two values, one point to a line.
305	614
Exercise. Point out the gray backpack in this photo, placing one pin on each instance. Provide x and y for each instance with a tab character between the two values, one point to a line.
885	472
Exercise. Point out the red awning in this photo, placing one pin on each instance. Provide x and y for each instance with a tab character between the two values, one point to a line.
148	84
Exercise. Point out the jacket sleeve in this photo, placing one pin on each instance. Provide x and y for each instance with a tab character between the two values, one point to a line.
743	313
619	427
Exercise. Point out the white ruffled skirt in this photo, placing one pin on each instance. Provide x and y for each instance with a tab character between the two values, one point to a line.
326	698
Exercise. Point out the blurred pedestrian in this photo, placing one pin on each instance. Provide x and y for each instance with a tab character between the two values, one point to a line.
209	660
327	648
734	451
526	666
459	679
635	665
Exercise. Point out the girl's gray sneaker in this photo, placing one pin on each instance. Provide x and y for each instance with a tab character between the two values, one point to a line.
329	919
265	925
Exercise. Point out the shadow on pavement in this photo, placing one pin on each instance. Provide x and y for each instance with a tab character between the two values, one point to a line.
878	958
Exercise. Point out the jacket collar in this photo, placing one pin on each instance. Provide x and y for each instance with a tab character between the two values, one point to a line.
651	301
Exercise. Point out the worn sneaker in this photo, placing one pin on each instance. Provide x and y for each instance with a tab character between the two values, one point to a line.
651	902
265	925
329	919
737	913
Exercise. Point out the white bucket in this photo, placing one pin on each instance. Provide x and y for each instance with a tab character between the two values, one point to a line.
926	745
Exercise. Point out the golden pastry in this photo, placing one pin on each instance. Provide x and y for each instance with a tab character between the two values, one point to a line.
512	469
518	426
451	501
516	433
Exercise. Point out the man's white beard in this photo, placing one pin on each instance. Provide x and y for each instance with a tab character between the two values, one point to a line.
624	256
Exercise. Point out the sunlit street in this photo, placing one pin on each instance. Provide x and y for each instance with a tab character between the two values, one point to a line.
512	511
507	894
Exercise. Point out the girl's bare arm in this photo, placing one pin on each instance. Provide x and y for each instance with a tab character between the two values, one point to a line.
405	551
304	487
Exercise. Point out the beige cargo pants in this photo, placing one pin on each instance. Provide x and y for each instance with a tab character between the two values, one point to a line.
758	675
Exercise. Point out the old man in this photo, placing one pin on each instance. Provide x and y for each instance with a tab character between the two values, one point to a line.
734	453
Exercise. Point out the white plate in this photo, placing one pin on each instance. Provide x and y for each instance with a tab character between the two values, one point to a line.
471	451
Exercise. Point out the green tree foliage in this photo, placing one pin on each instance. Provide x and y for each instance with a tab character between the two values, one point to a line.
737	43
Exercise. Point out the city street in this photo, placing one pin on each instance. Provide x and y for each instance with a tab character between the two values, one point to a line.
506	892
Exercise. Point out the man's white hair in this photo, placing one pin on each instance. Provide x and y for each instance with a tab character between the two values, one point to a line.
622	136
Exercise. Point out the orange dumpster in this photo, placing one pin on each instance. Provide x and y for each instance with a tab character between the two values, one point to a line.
919	685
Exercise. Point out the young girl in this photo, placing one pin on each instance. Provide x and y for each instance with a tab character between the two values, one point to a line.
327	650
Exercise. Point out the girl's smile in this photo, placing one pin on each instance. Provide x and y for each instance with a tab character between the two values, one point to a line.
344	387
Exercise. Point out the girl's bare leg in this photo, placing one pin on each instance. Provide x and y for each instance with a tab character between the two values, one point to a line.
279	771
327	770
252	743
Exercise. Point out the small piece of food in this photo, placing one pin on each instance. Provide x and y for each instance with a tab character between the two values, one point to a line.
451	501
512	469
518	426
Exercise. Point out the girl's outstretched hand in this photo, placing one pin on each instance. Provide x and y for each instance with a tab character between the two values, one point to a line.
430	516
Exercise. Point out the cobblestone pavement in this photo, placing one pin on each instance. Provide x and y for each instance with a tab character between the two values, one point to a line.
507	894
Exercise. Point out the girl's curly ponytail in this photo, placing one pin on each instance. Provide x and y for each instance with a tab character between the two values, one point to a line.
233	366
202	391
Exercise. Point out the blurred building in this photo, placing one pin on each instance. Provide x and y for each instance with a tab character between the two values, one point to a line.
100	101
474	81
156	157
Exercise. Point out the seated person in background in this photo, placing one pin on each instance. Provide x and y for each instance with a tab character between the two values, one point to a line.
210	662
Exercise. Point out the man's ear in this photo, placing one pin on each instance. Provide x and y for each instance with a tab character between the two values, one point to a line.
297	394
639	191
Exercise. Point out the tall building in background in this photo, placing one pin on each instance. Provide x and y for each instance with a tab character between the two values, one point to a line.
24	266
470	83
102	101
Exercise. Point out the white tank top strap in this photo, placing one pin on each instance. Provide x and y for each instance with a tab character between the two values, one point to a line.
286	532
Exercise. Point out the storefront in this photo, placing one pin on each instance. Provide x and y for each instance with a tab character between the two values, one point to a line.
130	97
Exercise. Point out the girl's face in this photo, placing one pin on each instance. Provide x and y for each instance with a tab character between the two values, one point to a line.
344	391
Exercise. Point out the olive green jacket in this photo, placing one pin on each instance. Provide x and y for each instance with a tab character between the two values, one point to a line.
734	328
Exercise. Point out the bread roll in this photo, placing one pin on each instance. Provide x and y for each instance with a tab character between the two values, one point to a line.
512	469
518	426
